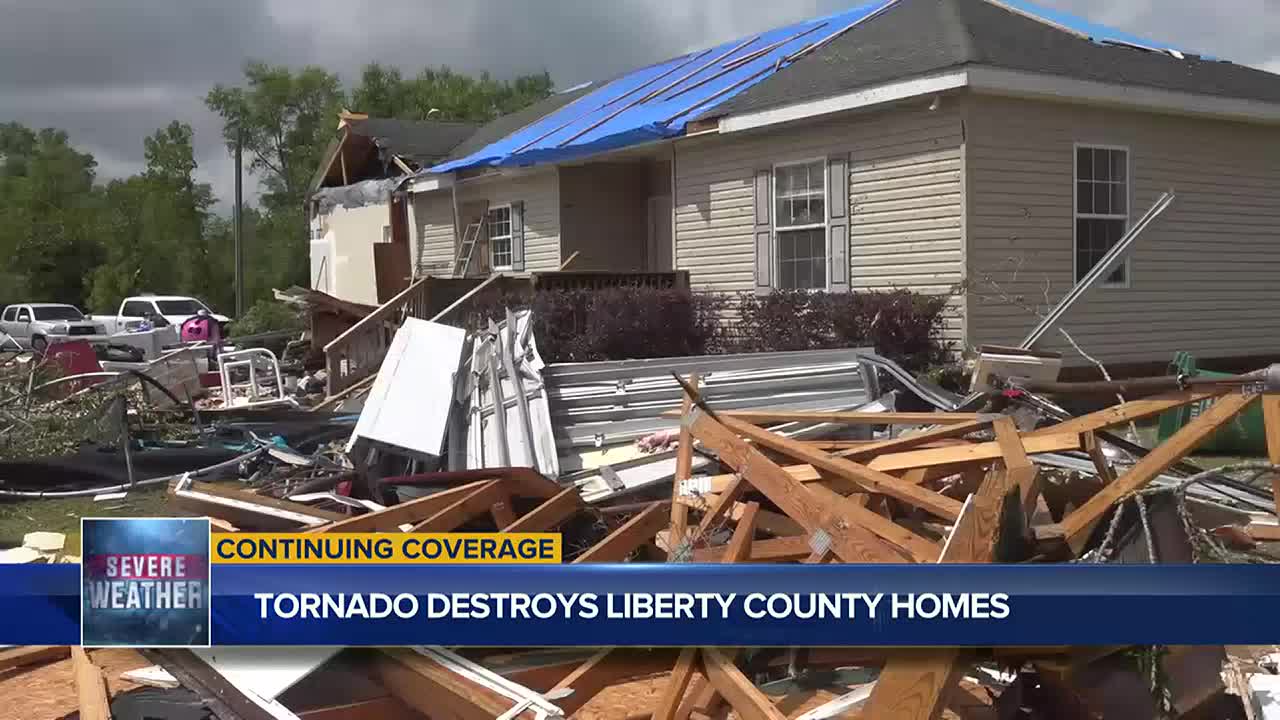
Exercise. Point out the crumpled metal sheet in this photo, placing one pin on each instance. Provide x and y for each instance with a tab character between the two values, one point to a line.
356	195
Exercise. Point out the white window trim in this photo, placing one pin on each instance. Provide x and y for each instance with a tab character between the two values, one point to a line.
510	236
773	220
1077	215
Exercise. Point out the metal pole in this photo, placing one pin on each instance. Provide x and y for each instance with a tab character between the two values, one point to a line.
239	225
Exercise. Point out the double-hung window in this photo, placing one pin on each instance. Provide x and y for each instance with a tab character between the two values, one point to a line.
800	225
500	251
1101	208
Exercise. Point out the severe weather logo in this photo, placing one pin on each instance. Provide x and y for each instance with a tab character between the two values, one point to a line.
146	582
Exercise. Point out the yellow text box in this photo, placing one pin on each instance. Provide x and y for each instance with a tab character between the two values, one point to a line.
386	548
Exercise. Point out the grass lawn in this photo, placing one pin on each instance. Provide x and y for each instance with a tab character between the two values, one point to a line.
63	514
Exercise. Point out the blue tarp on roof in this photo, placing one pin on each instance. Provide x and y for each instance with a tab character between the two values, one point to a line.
672	92
655	102
1099	33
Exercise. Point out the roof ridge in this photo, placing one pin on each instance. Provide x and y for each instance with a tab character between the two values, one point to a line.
1042	20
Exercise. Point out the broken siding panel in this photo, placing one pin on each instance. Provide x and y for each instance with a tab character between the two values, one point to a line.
433	211
904	192
1198	277
540	193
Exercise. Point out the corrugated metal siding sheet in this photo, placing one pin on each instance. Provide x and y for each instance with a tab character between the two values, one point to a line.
605	403
1203	277
905	198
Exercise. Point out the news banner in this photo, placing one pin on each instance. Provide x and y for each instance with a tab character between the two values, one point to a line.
171	582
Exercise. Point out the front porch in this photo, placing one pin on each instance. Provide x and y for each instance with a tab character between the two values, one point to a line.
612	216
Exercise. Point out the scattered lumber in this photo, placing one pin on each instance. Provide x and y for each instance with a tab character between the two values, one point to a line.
959	488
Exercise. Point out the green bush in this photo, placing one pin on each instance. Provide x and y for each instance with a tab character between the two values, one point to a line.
267	316
627	323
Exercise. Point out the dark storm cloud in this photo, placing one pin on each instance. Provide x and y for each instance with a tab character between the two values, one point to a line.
111	72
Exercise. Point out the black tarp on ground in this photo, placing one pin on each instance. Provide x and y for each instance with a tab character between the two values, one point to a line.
96	468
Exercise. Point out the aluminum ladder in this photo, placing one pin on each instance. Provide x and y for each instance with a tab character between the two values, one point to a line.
470	238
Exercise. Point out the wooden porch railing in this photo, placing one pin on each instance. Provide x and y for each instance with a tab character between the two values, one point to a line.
358	352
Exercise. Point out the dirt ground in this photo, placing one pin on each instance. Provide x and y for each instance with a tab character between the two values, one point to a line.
48	692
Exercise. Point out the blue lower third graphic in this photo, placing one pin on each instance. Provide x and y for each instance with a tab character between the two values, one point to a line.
145	581
684	605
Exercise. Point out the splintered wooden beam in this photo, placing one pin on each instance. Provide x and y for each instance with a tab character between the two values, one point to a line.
912	545
437	691
914	683
681	674
740	544
976	452
406	513
501	511
764	417
472	504
1271	425
766	520
550	513
630	535
1271	418
684	467
607	667
849	541
743	696
1078	525
722	504
1128	412
28	655
90	687
780	549
872	479
1093	447
1021	471
910	442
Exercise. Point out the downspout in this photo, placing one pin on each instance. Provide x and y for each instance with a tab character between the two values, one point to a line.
673	206
457	234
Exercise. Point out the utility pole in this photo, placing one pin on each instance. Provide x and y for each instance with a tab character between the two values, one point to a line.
238	229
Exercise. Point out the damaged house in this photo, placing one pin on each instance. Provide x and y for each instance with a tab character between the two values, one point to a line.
993	150
357	214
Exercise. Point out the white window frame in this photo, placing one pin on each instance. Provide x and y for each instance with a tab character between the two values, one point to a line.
776	246
1077	215
510	237
386	234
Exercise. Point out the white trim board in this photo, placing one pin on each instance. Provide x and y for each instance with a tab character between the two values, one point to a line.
997	81
430	183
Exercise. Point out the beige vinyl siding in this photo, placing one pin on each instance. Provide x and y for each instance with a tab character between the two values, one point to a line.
906	224
433	213
603	215
1203	278
540	193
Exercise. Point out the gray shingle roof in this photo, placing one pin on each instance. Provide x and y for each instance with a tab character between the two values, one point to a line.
922	36
503	126
422	142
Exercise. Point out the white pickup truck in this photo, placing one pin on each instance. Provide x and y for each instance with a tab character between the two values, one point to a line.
171	309
35	325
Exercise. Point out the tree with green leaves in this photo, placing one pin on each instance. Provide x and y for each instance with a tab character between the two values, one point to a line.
285	118
153	226
49	210
385	92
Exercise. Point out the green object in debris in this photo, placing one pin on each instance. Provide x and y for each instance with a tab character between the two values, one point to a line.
1243	435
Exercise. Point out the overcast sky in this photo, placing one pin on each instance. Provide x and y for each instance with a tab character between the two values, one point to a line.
111	71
